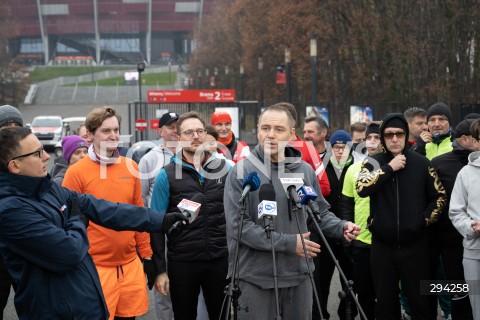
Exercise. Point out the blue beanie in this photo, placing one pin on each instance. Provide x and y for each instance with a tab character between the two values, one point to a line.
340	136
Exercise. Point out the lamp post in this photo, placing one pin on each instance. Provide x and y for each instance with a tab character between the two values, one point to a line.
215	73
313	64
288	74
227	79
207	73
140	69
199	82
260	70
242	72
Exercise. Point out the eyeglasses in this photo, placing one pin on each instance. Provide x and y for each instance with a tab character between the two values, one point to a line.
339	148
38	153
389	135
199	132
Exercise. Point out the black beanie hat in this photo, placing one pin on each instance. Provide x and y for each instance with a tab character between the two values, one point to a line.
372	128
463	128
440	109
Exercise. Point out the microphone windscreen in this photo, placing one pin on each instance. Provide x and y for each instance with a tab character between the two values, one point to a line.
199	198
267	192
253	180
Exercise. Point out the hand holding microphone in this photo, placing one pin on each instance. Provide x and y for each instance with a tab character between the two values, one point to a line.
189	211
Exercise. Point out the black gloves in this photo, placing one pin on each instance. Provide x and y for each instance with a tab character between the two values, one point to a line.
170	219
149	269
75	211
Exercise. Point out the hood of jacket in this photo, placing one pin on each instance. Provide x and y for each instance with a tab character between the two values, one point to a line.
59	169
293	157
389	117
474	159
23	186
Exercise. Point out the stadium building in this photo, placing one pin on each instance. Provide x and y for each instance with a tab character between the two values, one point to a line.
76	32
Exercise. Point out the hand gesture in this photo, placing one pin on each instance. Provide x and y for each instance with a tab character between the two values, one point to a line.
426	136
351	231
312	247
398	162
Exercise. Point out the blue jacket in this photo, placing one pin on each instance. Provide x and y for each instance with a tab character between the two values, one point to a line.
46	250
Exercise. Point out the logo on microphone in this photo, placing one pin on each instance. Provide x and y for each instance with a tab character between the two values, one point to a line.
267	208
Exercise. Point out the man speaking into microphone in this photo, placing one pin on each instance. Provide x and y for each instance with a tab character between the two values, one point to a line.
197	253
274	160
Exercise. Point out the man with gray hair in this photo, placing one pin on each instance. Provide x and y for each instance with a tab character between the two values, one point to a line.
315	130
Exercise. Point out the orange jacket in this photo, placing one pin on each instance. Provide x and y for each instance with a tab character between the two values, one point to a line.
115	183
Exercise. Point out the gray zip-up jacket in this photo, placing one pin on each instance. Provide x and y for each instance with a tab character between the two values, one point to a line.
149	166
255	257
465	205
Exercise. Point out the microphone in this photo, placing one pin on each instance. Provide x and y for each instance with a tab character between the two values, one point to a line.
290	185
307	197
190	209
267	206
251	182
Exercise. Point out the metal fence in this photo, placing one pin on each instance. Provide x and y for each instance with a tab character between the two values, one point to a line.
248	112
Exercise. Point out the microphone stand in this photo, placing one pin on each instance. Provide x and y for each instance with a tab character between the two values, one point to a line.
293	206
232	290
349	283
269	227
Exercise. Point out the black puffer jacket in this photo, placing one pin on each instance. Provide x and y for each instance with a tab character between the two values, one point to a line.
205	237
404	202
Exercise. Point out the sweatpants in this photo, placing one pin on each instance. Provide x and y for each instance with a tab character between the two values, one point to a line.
408	263
471	268
255	303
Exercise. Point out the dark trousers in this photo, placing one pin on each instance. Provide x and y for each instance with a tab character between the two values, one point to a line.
186	278
450	253
363	281
324	268
408	263
5	283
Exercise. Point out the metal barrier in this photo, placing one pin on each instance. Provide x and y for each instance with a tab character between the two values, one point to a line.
248	112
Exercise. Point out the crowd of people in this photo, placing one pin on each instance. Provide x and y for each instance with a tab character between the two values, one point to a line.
394	208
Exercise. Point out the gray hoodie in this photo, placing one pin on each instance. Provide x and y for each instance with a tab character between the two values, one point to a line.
465	205
149	166
255	257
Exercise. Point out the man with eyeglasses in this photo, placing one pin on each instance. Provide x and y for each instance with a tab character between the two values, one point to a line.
9	117
197	253
406	196
340	159
357	209
43	236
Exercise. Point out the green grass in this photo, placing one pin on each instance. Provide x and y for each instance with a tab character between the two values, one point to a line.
151	79
47	73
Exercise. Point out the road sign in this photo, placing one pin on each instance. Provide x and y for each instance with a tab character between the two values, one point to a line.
141	124
186	96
